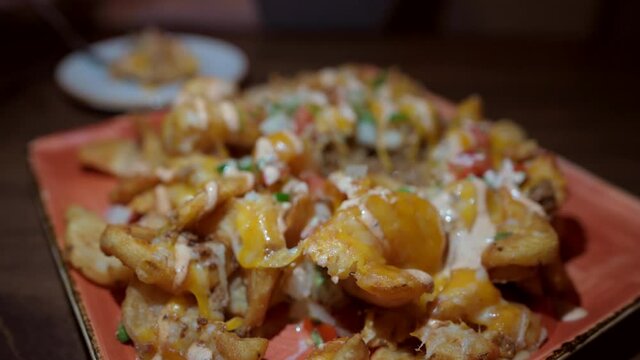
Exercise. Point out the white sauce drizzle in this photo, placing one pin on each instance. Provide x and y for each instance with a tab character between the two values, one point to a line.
230	116
211	191
164	174
466	247
201	118
199	352
575	314
508	177
322	214
220	261
346	184
182	257
163	204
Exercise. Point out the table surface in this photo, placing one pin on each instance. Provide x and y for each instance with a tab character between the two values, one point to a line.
579	100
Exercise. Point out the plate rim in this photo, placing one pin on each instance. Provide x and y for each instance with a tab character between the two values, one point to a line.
73	297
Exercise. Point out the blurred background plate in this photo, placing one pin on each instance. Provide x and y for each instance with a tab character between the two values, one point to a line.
91	82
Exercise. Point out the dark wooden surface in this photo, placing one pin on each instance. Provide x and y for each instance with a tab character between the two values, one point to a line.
580	100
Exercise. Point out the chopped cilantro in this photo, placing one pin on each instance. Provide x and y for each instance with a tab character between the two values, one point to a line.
405	189
398	117
364	114
318	278
121	334
501	235
380	78
284	107
282	197
246	164
316	337
221	168
314	109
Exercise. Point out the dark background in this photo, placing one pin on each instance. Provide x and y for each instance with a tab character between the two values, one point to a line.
566	70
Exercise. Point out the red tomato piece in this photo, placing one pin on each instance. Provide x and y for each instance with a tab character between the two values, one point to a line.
302	119
295	342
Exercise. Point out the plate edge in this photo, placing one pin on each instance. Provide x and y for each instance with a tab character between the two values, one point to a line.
570	347
74	300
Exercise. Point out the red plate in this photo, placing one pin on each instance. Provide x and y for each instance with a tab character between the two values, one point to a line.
602	221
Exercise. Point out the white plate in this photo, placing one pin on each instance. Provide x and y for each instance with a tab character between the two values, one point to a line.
91	82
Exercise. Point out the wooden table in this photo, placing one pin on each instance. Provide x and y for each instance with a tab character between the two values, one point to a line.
578	100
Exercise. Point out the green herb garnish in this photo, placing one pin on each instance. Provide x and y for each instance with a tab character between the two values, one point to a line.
380	78
364	114
246	164
282	197
317	338
221	168
398	117
319	278
121	334
501	235
314	109
405	189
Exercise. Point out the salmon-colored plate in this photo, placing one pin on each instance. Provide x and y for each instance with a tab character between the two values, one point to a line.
599	221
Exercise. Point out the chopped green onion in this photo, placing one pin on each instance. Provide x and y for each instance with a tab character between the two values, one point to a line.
121	334
221	168
364	115
275	108
380	78
398	117
314	109
282	197
501	235
318	278
405	189
317	338
246	164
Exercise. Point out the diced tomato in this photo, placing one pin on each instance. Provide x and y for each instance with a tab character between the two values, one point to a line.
315	181
302	119
469	163
295	341
480	137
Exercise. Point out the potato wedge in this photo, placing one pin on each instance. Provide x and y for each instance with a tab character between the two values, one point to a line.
82	237
352	348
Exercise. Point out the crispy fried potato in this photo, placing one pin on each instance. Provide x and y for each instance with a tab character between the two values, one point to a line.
150	143
128	187
175	262
175	195
260	285
389	327
465	293
199	125
205	201
509	141
444	340
119	157
468	296
83	249
141	309
545	182
160	323
384	248
132	245
386	353
352	348
529	239
232	347
253	228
